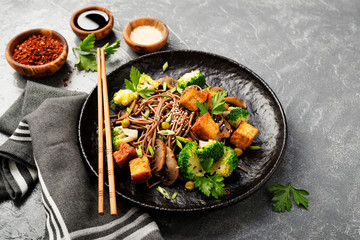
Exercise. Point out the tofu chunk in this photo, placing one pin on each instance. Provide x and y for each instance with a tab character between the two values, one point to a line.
191	97
124	155
205	127
140	170
243	135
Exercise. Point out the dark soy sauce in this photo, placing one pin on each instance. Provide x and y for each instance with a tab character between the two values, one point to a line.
91	20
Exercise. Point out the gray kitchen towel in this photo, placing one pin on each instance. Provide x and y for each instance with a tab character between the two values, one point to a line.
43	147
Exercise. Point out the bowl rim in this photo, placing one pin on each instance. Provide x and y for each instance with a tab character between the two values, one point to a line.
84	9
9	54
132	43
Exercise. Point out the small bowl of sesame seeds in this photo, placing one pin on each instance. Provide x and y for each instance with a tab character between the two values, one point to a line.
37	52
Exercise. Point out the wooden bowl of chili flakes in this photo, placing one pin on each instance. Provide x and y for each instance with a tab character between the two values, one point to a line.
37	52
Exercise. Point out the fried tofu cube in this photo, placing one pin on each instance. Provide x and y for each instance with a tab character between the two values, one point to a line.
140	170
243	135
205	127
209	96
124	155
191	97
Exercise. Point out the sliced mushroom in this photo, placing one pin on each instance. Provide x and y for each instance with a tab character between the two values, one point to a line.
236	102
160	156
217	89
225	130
171	169
170	82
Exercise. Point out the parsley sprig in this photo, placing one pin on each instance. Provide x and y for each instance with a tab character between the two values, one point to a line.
133	84
218	104
211	185
86	55
282	201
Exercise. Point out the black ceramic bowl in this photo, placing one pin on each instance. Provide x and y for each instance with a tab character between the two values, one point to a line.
266	114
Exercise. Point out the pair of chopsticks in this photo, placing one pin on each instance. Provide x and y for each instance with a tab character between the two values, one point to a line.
103	108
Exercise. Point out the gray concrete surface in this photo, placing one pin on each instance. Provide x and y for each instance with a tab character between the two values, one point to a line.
309	54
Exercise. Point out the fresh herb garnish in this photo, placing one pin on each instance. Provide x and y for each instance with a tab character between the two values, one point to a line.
165	66
86	55
174	195
203	107
182	139
253	147
147	113
163	192
151	150
211	185
138	151
282	200
178	143
166	132
133	84
173	90
218	104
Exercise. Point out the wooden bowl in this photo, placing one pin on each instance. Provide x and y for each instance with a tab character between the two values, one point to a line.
100	33
36	71
146	21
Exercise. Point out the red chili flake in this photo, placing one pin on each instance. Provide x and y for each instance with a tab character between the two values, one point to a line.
227	191
37	50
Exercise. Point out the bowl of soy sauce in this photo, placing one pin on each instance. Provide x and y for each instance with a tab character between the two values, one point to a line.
92	19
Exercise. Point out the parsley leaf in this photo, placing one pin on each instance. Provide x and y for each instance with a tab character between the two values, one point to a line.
282	201
211	185
218	104
112	48
132	85
87	56
203	107
135	76
146	93
88	43
206	164
204	185
87	62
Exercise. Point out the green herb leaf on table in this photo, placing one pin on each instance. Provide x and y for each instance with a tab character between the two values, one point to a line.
203	107
87	44
86	55
87	62
112	48
282	201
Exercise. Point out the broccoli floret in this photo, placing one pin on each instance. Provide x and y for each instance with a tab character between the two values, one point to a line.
211	149
236	116
227	163
189	163
146	81
192	78
120	135
124	97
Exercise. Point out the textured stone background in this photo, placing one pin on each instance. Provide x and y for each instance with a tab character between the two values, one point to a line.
309	54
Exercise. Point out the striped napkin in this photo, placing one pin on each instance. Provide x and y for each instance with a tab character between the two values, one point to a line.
43	147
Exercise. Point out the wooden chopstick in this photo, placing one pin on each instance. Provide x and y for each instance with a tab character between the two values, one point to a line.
109	155
100	139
